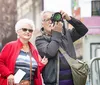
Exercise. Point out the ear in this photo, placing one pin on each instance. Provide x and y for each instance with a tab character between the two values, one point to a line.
42	29
17	32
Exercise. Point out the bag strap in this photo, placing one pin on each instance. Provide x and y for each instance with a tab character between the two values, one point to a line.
67	57
58	63
30	67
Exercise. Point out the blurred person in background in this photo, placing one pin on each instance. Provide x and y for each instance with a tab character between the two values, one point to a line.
55	35
21	54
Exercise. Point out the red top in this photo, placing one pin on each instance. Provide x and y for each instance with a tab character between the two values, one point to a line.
8	58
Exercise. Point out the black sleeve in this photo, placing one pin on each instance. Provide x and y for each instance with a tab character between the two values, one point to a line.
48	48
79	29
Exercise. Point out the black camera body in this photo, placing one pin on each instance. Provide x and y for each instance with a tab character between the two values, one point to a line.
56	17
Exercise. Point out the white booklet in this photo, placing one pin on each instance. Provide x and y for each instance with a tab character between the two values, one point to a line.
19	75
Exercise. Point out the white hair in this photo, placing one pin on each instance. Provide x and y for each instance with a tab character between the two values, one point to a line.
45	11
22	22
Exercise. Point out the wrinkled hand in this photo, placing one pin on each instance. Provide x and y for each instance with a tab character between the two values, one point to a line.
58	26
65	15
44	60
10	79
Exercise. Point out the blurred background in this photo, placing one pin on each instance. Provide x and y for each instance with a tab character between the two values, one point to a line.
88	11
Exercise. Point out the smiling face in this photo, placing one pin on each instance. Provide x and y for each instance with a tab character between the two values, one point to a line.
25	32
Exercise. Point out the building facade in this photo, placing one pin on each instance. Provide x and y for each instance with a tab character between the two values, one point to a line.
13	10
8	14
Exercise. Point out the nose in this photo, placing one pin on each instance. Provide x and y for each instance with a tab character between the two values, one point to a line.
50	22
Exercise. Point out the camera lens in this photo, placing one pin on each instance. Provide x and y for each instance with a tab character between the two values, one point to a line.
56	17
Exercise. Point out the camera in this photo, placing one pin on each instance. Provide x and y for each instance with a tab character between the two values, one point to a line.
56	17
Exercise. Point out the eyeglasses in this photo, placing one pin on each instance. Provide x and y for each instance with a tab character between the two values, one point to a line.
45	20
29	30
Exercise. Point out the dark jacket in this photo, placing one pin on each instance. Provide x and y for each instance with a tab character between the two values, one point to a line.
49	45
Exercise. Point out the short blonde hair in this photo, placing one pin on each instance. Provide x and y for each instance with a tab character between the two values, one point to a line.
22	22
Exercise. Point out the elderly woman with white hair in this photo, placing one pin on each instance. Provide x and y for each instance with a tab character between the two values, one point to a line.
21	58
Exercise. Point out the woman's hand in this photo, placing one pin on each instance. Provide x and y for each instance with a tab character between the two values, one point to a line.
44	60
10	79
